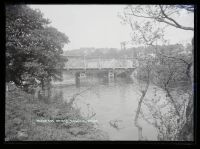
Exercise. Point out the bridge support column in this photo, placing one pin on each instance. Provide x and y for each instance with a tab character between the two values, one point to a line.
111	74
111	77
77	79
82	75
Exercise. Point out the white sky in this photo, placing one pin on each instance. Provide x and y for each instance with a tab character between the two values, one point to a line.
99	25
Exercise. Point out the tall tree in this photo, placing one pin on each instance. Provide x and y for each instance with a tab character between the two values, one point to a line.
33	48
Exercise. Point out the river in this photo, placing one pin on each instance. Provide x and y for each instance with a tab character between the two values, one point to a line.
114	103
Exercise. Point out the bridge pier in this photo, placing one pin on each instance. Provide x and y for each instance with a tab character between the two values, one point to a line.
111	74
77	79
82	75
78	76
111	77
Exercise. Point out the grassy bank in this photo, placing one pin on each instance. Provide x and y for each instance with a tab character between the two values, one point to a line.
23	113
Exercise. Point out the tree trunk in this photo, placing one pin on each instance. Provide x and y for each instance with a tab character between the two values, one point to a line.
139	108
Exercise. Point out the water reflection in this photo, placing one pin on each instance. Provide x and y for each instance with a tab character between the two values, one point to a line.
114	102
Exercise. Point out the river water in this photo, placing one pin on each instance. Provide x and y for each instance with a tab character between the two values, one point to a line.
114	103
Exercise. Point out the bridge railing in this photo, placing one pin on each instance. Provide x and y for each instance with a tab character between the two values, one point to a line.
100	64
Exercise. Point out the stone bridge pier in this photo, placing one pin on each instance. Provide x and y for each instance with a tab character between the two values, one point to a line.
110	74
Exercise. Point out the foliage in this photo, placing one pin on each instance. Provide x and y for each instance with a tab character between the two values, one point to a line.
168	70
172	66
33	48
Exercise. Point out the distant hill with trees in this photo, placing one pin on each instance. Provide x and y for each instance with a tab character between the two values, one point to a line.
129	52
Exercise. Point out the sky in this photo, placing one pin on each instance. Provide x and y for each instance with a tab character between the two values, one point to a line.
99	26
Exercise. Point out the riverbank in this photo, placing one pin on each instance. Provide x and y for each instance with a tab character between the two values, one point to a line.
30	119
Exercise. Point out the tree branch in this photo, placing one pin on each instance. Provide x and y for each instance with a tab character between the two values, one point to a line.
175	24
180	59
72	99
169	95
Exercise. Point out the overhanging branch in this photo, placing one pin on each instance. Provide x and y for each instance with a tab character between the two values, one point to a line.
173	22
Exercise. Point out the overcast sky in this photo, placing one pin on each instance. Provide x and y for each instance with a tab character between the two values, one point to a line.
99	25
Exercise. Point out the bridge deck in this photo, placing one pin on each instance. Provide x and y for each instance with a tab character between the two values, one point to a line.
91	68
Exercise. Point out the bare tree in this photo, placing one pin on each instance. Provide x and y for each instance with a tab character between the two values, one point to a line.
149	34
160	13
165	14
145	68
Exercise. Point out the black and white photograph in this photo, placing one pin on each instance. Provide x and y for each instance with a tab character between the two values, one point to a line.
99	72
